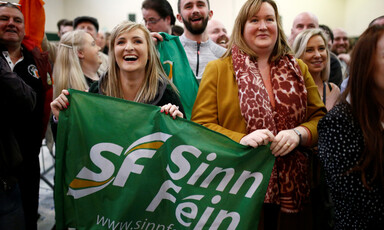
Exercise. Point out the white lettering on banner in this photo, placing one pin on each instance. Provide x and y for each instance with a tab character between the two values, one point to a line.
129	165
182	163
88	182
126	225
107	167
189	210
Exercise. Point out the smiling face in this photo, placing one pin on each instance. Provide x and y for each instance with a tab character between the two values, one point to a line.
11	25
315	55
195	15
260	31
217	33
131	52
341	42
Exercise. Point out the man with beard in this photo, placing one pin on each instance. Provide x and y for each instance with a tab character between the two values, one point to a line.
200	50
217	33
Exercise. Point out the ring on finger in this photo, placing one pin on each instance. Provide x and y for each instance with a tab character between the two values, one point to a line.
288	145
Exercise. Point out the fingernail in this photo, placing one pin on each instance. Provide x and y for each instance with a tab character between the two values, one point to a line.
161	110
67	103
166	112
65	106
174	118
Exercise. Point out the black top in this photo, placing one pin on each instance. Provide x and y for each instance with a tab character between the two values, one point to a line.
29	129
341	143
335	75
164	95
16	98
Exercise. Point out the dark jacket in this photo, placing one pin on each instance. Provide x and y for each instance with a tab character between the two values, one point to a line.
16	97
164	95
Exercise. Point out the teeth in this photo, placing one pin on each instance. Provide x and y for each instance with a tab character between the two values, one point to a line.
130	58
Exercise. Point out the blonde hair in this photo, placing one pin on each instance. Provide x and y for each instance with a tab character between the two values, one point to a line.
248	10
67	72
154	72
300	45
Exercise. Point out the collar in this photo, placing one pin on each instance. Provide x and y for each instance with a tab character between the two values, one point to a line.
8	58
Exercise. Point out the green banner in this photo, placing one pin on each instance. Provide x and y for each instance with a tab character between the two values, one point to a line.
125	165
176	65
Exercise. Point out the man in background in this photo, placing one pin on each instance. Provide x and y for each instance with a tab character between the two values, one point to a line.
158	16
33	68
303	21
200	50
64	26
307	20
218	33
341	48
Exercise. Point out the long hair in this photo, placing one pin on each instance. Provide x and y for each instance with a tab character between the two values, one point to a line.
67	72
362	94
248	10
300	45
154	72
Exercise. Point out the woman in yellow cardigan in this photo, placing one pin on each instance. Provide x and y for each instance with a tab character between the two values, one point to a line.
258	93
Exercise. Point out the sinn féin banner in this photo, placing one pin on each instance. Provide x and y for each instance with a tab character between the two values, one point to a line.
125	165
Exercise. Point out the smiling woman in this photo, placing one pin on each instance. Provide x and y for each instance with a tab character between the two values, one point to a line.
134	73
259	94
311	46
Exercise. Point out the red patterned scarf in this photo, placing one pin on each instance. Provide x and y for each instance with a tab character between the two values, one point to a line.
288	185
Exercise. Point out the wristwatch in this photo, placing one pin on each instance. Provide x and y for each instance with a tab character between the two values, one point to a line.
298	134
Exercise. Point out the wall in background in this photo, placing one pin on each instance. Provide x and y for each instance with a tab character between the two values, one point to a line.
353	15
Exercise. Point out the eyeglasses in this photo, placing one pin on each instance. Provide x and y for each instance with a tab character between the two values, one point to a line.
151	21
12	4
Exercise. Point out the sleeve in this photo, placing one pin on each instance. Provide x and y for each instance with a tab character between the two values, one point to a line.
340	146
205	110
173	98
315	106
336	75
49	47
14	92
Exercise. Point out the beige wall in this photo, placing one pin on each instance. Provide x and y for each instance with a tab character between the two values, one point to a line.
353	15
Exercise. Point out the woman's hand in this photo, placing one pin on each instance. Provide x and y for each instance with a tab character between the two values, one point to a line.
60	103
172	110
257	138
284	142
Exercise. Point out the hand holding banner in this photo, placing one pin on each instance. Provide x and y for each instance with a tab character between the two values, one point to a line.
125	165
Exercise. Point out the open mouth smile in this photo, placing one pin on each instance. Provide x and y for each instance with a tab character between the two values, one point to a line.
130	58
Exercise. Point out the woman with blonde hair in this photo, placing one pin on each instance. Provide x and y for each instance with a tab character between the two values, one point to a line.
257	94
311	47
76	63
134	73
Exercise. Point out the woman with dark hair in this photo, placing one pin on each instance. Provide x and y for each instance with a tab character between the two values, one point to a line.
257	94
351	139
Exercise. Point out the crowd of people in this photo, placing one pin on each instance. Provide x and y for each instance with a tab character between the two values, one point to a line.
317	101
